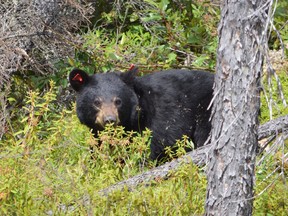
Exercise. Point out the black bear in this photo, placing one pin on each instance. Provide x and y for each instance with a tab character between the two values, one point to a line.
170	103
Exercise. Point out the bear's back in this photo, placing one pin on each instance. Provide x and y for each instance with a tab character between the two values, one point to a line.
174	103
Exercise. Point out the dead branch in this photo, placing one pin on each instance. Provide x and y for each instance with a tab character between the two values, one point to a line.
272	127
198	157
33	36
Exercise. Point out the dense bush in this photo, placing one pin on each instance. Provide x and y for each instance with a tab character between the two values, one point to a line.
152	34
46	166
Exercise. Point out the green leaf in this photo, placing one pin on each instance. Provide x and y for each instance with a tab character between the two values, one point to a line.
10	99
114	56
133	17
123	39
151	2
71	62
164	4
152	17
172	57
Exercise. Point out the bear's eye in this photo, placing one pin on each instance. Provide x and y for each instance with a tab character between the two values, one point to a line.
97	102
118	101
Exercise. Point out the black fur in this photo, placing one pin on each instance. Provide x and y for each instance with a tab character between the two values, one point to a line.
170	103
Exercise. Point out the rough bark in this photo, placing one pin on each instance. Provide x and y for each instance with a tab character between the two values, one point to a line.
198	157
231	167
273	127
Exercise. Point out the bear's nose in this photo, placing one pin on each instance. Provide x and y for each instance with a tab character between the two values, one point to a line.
110	119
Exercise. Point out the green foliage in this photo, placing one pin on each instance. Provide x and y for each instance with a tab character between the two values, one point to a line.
46	164
39	84
180	148
271	96
280	22
181	195
47	168
271	186
158	35
114	151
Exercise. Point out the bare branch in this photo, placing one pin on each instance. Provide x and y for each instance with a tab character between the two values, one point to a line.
35	35
272	127
269	67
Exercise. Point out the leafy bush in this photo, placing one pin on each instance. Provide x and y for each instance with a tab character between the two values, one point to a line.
46	166
182	37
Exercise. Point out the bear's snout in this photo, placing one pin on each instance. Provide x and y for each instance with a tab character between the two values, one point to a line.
107	114
110	119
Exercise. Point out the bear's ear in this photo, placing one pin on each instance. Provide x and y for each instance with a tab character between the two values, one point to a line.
78	78
129	76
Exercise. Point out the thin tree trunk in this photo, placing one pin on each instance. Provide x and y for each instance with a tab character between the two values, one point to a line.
235	110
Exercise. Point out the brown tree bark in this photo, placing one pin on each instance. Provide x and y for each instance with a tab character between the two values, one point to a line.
231	167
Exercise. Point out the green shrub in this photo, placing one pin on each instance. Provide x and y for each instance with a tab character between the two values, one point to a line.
46	167
46	164
270	97
157	35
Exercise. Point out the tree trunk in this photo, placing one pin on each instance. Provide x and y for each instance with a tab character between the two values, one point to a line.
236	105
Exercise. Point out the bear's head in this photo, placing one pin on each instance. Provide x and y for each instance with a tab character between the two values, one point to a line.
106	98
